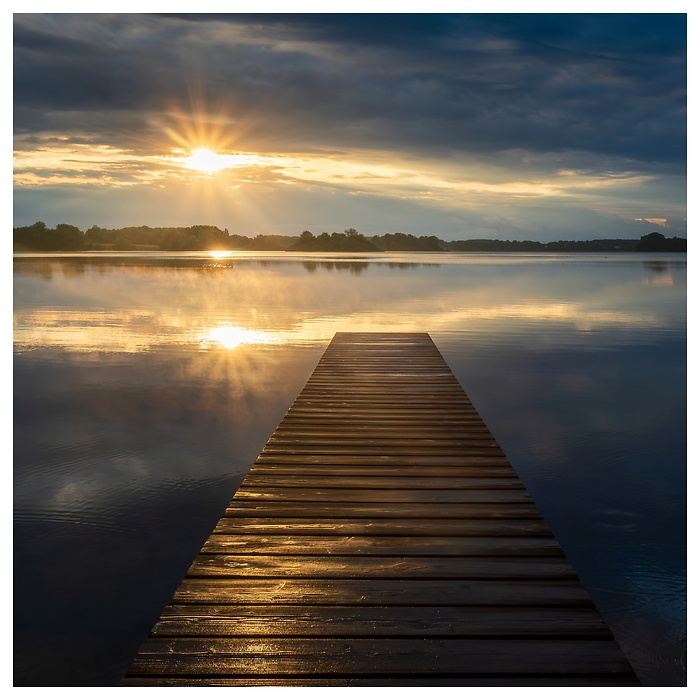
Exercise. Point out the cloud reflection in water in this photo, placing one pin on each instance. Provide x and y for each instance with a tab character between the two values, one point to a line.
110	306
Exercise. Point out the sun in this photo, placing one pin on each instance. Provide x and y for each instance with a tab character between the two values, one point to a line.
206	160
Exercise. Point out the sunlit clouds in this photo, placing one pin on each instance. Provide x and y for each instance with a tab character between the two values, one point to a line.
457	186
656	222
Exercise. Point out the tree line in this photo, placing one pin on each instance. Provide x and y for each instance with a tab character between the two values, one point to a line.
65	237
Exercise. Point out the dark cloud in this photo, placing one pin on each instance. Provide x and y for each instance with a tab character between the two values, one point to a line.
601	83
65	74
406	30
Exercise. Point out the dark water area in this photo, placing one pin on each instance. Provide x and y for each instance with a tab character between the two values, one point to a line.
145	387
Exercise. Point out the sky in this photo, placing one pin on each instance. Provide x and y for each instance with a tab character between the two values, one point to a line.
511	126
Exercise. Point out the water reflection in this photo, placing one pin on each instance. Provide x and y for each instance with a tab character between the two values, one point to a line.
145	388
97	305
123	464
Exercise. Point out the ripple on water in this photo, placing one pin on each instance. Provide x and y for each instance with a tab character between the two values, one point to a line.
40	518
645	605
614	519
654	640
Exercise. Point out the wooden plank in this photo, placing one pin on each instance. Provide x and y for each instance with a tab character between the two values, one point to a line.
434	680
378	452
406	415
394	545
241	507
444	496
428	460
380	482
347	443
381	538
433	404
343	427
380	471
317	436
235	656
381	567
372	526
363	592
374	622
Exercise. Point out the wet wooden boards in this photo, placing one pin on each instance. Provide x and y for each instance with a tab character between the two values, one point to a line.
381	539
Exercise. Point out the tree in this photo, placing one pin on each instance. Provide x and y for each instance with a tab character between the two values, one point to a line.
123	244
34	237
656	242
95	234
68	237
653	241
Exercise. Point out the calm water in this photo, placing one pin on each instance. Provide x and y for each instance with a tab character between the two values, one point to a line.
144	388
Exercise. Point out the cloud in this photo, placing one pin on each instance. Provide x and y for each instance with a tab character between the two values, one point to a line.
464	83
469	102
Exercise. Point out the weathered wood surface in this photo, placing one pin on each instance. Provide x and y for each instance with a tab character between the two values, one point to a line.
381	539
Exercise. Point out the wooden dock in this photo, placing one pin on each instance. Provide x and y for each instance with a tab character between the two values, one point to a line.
381	539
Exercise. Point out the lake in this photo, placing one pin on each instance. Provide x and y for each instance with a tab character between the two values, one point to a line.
145	387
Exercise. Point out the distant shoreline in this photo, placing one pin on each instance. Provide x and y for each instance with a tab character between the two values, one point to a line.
142	239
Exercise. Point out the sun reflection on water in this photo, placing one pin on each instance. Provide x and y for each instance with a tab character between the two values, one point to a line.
231	337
